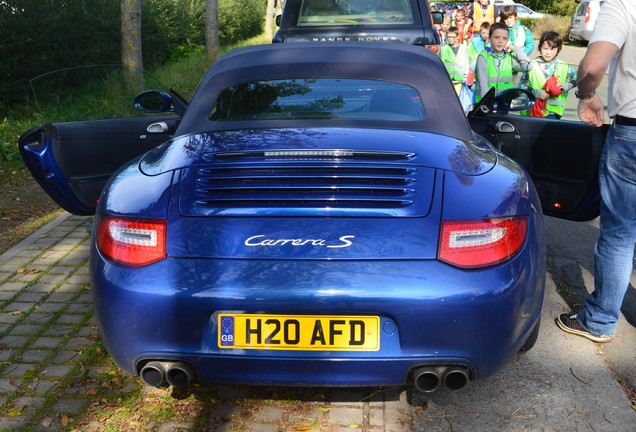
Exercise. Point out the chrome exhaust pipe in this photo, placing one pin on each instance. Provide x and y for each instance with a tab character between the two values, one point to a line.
154	373
456	378
180	374
427	379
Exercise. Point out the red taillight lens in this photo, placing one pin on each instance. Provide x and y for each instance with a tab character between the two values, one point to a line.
587	15
481	243
134	242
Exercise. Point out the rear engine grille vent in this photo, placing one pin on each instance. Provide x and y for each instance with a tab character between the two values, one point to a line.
303	187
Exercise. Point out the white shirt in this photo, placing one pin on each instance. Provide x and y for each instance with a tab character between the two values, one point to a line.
616	23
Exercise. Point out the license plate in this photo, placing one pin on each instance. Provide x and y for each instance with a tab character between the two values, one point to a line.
299	332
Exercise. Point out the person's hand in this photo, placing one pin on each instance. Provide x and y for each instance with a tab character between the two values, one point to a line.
544	95
591	111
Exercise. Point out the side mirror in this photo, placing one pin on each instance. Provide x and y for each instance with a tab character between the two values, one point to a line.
278	20
153	102
514	100
438	17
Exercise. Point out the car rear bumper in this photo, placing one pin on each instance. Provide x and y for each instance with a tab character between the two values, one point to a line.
579	35
430	314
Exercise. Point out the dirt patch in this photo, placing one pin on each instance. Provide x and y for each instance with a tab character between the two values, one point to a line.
24	208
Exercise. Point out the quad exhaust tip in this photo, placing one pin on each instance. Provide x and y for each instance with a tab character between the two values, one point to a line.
430	378
177	374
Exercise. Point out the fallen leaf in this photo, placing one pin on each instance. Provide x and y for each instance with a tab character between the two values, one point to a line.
14	412
323	409
27	271
302	428
65	420
354	426
17	312
46	422
92	392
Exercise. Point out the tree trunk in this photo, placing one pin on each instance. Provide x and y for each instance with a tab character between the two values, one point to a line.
131	56
269	18
212	29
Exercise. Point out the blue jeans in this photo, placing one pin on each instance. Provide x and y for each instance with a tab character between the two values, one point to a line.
614	251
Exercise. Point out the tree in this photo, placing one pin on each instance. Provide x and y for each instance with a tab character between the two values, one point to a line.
212	29
131	56
269	15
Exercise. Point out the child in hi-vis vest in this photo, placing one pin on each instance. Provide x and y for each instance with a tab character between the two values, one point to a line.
497	64
549	78
455	56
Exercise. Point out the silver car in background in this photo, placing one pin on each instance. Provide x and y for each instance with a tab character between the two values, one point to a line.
583	20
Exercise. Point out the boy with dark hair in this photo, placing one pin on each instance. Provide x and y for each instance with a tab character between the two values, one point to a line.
497	63
520	35
549	78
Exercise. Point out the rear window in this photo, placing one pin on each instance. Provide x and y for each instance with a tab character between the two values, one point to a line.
582	8
354	12
324	98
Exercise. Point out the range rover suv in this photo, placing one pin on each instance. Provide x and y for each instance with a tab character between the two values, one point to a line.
406	21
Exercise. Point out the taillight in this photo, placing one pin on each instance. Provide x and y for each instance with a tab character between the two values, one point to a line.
587	14
134	242
481	243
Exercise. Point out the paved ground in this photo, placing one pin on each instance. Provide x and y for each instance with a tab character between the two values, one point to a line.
48	380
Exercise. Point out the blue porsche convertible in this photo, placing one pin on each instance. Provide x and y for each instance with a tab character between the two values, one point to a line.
319	214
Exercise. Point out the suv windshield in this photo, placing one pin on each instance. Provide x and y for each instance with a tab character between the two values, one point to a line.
352	12
325	98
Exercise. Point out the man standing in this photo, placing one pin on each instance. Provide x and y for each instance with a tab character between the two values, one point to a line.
613	44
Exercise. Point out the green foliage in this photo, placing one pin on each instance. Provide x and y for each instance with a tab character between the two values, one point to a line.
556	23
182	23
565	8
39	36
240	20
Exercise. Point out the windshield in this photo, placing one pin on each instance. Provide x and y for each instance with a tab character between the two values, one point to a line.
324	98
354	12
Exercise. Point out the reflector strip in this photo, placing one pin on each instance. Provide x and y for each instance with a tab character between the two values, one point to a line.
139	237
475	237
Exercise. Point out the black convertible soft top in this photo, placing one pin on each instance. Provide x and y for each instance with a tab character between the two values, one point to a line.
412	65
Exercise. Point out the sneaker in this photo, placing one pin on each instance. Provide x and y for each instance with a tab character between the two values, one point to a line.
570	324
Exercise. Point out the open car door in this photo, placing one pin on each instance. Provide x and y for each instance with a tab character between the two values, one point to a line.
561	156
73	160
